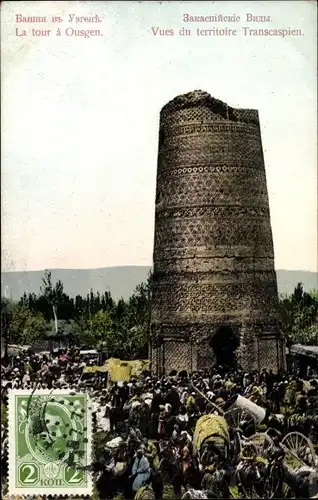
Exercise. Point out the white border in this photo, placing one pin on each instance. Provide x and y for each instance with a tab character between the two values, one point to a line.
12	393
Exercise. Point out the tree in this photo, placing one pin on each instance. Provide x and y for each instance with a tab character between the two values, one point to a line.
19	325
6	319
314	295
53	294
33	329
136	334
299	313
95	330
96	320
135	343
307	336
140	303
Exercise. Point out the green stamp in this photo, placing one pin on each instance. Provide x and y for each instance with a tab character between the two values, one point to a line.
50	443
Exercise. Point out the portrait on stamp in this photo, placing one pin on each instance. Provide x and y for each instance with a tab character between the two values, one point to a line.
49	442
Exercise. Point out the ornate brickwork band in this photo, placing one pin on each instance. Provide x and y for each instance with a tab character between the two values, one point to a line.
215	291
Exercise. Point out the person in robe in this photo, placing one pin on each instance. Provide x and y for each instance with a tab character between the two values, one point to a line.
141	470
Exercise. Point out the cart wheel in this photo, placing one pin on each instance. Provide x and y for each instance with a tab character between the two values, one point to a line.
236	417
300	446
262	442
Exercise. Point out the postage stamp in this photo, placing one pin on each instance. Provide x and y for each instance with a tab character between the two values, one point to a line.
50	443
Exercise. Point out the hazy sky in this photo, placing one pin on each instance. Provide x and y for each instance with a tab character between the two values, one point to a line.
80	124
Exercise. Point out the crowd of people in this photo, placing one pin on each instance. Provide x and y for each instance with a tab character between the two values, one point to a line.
144	437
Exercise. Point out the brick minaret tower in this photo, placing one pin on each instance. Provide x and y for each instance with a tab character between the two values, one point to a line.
215	292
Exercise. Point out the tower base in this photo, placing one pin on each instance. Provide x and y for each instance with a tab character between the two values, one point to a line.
250	347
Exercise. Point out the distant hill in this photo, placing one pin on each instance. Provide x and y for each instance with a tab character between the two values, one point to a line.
121	281
287	280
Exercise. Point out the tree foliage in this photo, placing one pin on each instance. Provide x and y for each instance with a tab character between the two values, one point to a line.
98	321
94	321
19	325
299	313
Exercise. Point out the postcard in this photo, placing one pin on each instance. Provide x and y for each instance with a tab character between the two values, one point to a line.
158	223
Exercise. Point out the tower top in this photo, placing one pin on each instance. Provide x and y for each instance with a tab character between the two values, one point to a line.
201	98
